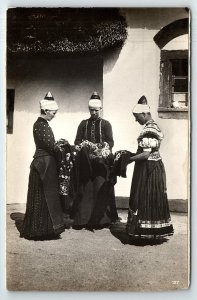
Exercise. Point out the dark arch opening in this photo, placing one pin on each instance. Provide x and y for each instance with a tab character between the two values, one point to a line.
171	31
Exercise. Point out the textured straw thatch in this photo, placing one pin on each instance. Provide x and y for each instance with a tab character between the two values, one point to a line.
64	30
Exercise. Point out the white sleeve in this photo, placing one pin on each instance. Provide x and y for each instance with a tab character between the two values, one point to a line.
148	143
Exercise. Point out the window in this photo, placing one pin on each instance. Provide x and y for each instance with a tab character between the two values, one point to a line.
10	110
174	88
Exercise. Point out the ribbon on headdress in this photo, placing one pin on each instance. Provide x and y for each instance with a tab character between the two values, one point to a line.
95	101
141	108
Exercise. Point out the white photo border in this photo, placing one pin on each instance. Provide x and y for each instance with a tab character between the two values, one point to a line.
191	293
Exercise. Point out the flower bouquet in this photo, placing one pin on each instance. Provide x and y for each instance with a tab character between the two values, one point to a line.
97	151
66	155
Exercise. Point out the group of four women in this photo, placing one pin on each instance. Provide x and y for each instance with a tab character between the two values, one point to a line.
83	175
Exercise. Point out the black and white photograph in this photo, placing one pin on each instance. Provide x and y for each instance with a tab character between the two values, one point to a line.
98	149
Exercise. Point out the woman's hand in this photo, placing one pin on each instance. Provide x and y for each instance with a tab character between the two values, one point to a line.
62	142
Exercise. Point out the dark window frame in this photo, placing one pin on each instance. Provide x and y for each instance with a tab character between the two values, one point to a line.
165	109
10	110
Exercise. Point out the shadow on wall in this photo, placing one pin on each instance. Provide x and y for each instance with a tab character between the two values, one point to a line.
71	78
110	58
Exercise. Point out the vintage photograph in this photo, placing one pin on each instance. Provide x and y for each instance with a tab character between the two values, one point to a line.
98	149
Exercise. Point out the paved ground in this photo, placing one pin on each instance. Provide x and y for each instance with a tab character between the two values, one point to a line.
104	260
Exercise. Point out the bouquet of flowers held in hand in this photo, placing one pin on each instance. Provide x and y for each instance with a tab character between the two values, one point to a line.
96	151
65	154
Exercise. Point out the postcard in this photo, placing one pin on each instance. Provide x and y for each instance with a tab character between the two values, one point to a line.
98	149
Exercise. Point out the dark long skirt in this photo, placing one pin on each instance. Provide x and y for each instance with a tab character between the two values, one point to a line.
38	224
94	205
149	214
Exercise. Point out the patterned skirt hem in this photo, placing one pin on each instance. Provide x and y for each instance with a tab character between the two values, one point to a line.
150	232
150	236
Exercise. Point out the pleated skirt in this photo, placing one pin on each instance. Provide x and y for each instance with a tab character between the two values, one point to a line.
37	224
149	214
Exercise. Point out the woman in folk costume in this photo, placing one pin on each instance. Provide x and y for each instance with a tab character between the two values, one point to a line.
94	205
148	214
43	217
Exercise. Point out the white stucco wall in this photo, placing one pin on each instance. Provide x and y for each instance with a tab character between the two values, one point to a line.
127	75
137	73
72	81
